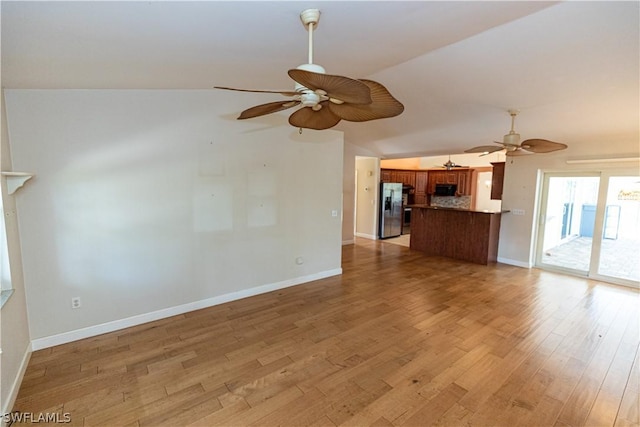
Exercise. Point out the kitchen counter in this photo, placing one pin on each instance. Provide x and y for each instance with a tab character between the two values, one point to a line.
462	234
418	206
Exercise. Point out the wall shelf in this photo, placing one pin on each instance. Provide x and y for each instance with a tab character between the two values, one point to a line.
16	180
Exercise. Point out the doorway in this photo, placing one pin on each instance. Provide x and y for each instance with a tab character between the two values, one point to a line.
590	225
621	229
367	178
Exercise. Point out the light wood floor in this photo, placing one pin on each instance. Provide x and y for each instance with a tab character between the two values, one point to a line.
398	339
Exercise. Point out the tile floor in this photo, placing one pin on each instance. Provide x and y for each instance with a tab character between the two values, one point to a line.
619	258
402	240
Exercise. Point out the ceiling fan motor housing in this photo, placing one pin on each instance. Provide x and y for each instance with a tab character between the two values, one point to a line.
308	97
314	68
512	139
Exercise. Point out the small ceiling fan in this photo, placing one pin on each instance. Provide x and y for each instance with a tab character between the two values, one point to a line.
448	165
511	143
326	99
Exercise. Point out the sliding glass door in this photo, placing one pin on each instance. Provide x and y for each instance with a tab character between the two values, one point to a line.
620	244
589	225
568	222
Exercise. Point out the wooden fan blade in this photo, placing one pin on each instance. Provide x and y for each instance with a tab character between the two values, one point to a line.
271	107
309	119
518	153
542	145
383	105
484	149
281	92
338	87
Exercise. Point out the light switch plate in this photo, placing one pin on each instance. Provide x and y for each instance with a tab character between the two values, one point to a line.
517	211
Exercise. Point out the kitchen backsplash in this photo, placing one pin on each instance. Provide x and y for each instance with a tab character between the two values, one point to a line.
462	202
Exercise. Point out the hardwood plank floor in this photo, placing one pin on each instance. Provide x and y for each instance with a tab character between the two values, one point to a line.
400	339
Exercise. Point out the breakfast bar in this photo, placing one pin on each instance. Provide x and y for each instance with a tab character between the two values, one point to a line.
462	234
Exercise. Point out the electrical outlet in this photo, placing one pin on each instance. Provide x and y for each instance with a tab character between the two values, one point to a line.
517	211
75	302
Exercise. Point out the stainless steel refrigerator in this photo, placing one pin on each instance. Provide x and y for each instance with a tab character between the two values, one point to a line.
391	211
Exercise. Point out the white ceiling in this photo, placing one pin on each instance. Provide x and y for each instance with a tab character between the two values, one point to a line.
572	68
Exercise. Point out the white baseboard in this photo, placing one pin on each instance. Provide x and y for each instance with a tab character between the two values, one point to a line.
366	236
91	331
514	262
348	242
12	392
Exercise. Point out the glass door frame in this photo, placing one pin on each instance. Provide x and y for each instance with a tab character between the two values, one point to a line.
598	230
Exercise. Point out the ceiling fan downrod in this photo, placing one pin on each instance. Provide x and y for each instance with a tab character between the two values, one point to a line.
310	18
308	97
513	114
512	139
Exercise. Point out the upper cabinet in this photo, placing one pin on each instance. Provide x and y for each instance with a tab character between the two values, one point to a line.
460	177
385	175
424	181
497	180
406	177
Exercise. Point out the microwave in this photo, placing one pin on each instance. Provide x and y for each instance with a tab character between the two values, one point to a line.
446	189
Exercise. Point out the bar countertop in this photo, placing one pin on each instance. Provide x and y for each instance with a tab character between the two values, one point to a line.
455	209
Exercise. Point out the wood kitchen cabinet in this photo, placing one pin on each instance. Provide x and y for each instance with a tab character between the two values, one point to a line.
463	182
406	177
422	179
497	180
460	177
439	177
460	234
425	181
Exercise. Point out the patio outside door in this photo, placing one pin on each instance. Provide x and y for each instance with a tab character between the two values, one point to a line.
589	225
620	246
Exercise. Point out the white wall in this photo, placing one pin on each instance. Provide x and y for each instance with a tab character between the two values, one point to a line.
348	191
483	194
145	201
14	326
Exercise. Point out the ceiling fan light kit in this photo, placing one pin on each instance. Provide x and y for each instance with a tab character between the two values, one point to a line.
326	99
512	146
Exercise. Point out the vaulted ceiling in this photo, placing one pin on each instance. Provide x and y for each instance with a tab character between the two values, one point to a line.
571	68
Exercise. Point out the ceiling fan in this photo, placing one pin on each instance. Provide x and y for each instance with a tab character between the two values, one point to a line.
511	143
448	165
326	99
